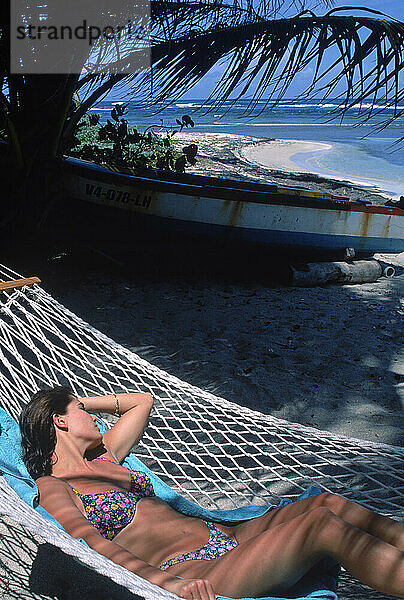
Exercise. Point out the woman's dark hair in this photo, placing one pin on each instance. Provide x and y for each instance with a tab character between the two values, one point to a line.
38	435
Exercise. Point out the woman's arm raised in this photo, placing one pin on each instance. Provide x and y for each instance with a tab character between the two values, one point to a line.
56	499
134	409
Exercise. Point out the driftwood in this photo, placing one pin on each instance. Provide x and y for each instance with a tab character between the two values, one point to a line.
360	271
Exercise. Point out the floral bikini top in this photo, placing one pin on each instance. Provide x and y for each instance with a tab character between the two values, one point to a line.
113	510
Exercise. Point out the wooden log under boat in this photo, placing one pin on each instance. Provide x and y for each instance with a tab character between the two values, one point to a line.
361	271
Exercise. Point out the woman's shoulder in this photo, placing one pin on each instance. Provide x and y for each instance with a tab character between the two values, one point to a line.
55	495
49	483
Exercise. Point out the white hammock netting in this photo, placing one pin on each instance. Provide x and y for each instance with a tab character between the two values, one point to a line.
213	452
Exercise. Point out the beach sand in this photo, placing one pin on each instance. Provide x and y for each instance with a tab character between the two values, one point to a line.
272	160
278	154
291	155
328	357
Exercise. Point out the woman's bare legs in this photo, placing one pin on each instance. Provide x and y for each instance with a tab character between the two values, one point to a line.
386	529
275	560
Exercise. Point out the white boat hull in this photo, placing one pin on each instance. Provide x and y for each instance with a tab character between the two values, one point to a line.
290	218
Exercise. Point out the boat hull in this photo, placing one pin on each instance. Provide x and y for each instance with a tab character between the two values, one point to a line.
289	218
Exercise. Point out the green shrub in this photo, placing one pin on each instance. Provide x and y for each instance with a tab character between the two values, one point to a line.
118	145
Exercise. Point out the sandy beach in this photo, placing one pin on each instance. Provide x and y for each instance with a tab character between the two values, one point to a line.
278	154
330	358
296	156
274	160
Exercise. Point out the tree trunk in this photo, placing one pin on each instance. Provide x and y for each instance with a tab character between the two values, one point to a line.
38	109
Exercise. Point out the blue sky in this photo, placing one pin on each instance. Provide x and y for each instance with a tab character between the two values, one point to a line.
393	8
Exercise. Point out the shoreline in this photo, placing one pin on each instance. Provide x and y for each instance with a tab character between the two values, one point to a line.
293	156
273	160
278	154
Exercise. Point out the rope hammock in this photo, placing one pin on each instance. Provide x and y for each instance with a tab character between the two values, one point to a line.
213	452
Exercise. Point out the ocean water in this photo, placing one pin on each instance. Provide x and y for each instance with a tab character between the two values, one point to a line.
359	150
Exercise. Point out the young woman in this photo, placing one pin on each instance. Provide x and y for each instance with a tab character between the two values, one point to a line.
82	484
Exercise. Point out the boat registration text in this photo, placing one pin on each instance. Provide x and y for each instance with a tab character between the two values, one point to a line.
118	196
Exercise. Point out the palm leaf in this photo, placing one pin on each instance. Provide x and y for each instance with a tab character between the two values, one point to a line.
267	55
171	19
264	55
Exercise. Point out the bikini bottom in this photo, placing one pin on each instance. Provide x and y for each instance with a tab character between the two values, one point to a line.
219	543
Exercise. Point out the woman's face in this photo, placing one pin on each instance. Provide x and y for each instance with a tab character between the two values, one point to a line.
81	424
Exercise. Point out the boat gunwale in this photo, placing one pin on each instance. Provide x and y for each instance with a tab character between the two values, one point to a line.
230	193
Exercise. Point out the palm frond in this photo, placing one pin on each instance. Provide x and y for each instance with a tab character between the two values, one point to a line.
265	55
172	19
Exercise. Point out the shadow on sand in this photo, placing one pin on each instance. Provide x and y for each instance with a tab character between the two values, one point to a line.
228	322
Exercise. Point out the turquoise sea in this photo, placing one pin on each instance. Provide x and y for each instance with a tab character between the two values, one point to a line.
359	151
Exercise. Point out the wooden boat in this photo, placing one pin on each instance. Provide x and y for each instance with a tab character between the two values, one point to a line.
294	219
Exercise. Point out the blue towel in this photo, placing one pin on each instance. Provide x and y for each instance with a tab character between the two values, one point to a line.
319	584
